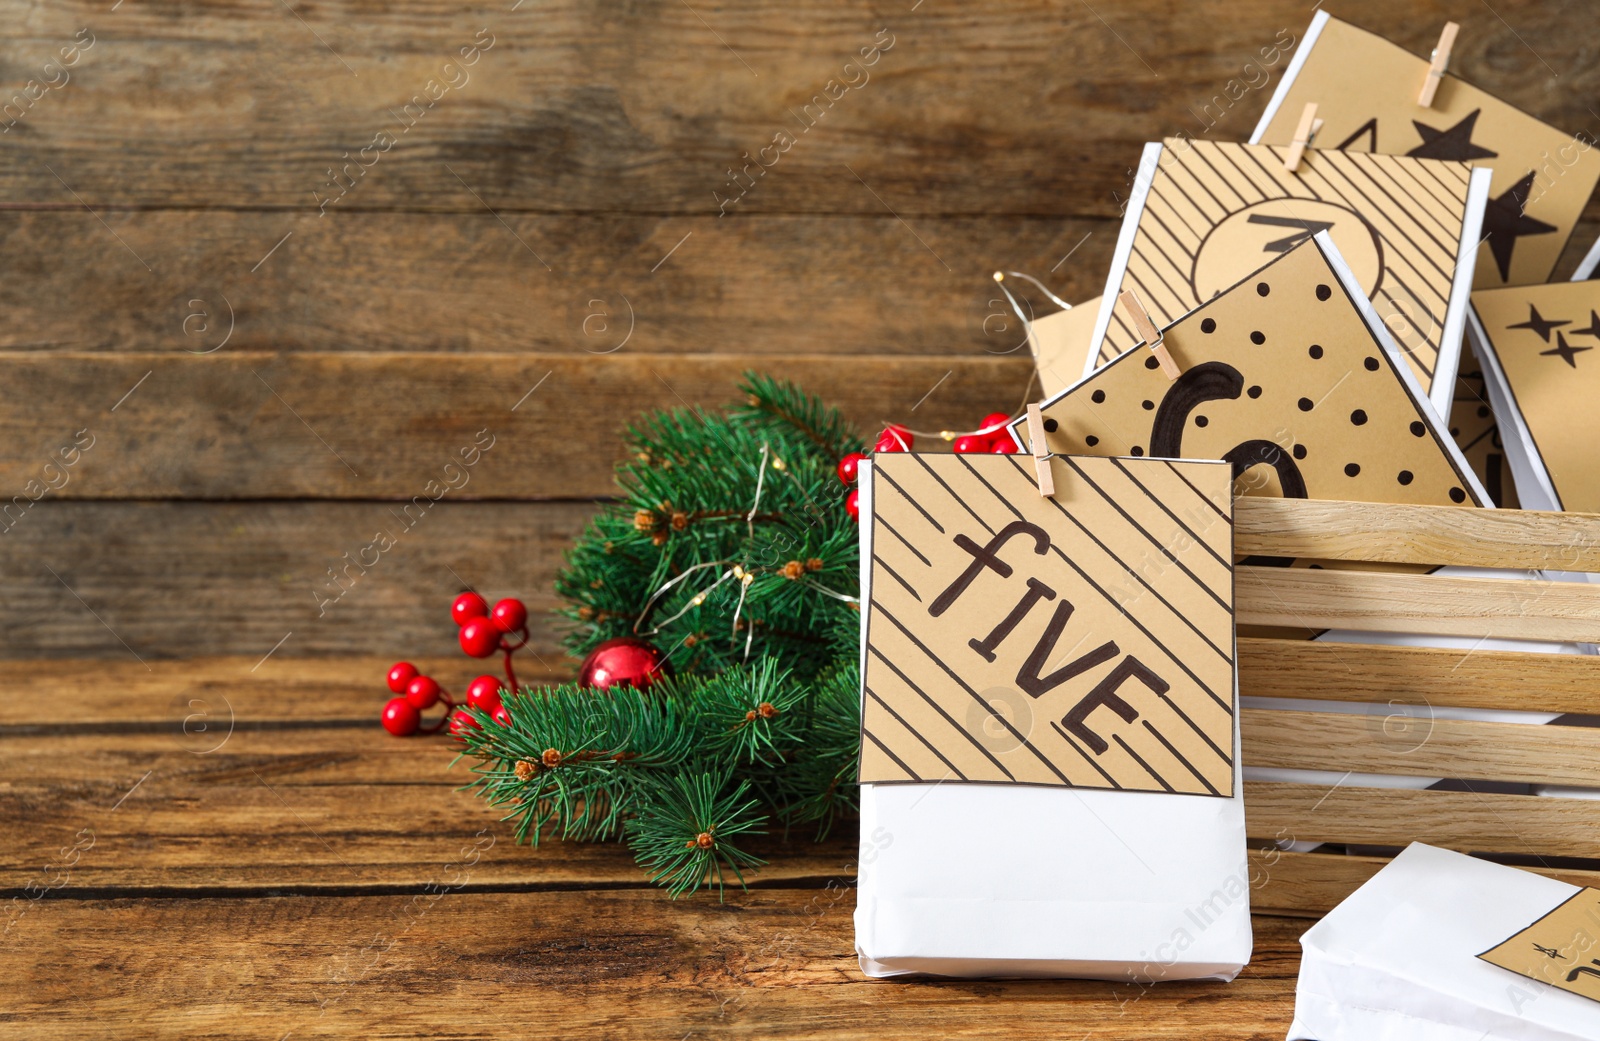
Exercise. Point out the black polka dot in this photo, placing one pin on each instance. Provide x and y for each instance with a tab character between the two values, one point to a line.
1258	338
1091	440
1315	350
1457	495
1147	405
1299	451
1254	392
1371	364
1201	421
1405	477
1137	450
1098	397
1050	426
1455	431
1417	429
1351	469
1323	292
1483	411
1305	405
1152	363
1359	417
1262	289
1208	326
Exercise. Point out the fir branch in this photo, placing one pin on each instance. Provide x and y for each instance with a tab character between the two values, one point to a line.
684	835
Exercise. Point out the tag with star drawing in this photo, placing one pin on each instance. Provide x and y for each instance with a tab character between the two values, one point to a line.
1290	377
1365	89
1205	214
1538	344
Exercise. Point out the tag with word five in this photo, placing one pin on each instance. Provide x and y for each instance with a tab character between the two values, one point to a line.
1083	640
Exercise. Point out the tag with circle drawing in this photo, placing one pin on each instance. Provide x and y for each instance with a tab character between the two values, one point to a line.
1560	949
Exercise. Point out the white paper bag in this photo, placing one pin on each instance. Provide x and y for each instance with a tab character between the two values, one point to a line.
1398	960
982	876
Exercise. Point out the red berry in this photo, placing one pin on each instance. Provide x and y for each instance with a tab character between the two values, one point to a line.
971	443
484	693
479	638
401	718
994	424
461	721
852	504
501	716
422	692
849	466
895	439
401	673
509	616
468	606
1005	443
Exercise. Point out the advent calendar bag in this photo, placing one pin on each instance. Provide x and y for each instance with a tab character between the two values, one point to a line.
1050	748
1440	946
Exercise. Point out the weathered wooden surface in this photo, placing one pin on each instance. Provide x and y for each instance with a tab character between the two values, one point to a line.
1313	883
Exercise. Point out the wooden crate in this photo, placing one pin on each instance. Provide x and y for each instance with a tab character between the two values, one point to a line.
1395	739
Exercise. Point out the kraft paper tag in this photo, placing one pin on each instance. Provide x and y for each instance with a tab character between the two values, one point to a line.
1560	949
1476	430
1545	339
1215	212
1060	344
1283	377
1084	640
1366	89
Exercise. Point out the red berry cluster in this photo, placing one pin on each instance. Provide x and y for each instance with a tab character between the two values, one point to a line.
482	632
992	435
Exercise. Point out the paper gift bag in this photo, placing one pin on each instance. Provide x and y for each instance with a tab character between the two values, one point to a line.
1050	782
1367	93
1537	344
1439	946
1204	215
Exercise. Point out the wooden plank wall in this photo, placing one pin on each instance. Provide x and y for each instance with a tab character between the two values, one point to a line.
274	324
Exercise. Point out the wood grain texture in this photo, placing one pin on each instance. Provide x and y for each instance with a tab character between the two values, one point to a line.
253	425
1471	822
1314	883
1020	107
1410	741
1419	676
863	285
1511	608
1406	534
625	965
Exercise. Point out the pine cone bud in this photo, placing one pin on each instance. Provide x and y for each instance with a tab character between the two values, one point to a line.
767	710
526	769
586	613
793	570
551	758
704	840
644	520
680	520
814	564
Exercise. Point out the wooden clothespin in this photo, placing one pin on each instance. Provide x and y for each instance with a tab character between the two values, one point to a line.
1133	307
1041	453
1438	65
1303	134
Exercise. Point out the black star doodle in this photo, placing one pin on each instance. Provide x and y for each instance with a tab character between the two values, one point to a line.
1540	325
1455	143
1504	222
1592	329
1568	354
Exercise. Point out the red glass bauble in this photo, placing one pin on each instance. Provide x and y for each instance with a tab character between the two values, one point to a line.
401	673
479	638
509	615
400	717
626	660
468	606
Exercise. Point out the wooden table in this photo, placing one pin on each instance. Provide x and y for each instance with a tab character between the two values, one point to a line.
203	851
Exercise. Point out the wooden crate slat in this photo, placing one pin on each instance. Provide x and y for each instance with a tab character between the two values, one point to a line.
1405	740
1406	534
1323	669
1314	883
1466	821
1384	602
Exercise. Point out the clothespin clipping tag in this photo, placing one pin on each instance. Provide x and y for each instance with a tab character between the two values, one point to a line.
1041	453
1145	326
1309	125
1439	63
